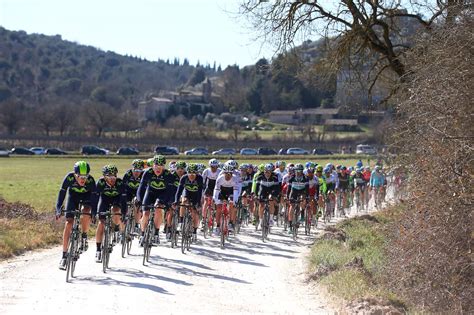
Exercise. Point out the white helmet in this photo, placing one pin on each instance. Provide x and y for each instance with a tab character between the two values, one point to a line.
213	163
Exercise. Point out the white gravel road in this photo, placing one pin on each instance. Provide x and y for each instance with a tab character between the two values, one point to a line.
246	277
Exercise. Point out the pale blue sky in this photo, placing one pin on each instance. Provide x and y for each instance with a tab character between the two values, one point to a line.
201	30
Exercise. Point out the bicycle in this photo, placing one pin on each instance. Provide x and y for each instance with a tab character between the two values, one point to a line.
127	233
208	219
187	228
74	250
109	234
174	226
266	218
224	224
149	233
295	218
308	218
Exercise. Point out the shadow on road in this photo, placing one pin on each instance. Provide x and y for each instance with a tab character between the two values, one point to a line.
190	272
107	281
140	274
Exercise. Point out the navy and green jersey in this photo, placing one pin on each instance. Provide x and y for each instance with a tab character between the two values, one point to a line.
266	186
176	181
131	183
343	182
161	185
192	189
117	192
70	184
247	181
298	185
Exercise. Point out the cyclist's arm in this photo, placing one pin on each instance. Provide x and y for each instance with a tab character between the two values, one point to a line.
200	190
142	187
62	192
235	196
254	183
180	189
123	198
217	190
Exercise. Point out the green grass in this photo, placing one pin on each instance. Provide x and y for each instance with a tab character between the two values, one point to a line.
36	180
364	239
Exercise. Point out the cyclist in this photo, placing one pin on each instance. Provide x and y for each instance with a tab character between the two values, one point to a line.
313	188
81	189
209	177
360	186
377	180
190	190
112	192
154	191
131	180
227	188
298	186
267	184
342	187
246	184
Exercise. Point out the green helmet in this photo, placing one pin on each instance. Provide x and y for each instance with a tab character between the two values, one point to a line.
192	168
110	169
159	160
82	168
299	167
138	164
149	162
261	167
181	164
319	168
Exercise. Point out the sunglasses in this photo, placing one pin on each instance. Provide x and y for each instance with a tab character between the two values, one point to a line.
137	170
111	176
83	177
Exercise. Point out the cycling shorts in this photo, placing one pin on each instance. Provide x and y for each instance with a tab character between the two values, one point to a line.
74	199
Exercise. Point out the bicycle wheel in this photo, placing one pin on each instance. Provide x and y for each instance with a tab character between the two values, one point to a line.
184	233
190	233
146	242
296	213
205	226
223	230
105	249
70	256
239	219
129	236
308	218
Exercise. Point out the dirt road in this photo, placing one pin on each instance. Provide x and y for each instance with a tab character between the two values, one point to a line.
246	277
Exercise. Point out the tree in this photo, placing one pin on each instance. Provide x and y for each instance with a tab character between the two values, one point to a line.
369	30
45	118
12	115
197	77
64	116
99	116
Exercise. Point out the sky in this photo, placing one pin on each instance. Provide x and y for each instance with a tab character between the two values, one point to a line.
200	30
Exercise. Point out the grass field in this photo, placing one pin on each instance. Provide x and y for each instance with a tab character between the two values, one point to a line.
36	180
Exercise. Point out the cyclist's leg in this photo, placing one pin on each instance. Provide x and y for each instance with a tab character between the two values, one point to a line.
99	234
72	203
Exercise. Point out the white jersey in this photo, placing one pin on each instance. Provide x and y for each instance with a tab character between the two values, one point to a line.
209	178
223	184
281	174
286	179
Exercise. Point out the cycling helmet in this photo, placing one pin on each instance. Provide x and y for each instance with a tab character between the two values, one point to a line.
261	167
351	168
149	162
291	170
213	163
343	168
181	164
367	168
172	166
232	163
319	168
359	170
201	167
192	168
327	170
299	167
81	168
110	169
359	163
244	167
228	168
221	165
138	164
353	173
269	167
159	160
338	167
377	168
283	163
309	165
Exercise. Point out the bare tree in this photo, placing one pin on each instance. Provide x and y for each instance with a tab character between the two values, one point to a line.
370	30
45	118
99	116
12	115
64	117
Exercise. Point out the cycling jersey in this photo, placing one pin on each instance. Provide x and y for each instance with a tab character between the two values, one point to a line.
131	183
313	188
246	184
377	179
153	187
297	186
266	186
190	189
343	182
209	179
281	174
86	194
111	195
359	181
225	189
174	188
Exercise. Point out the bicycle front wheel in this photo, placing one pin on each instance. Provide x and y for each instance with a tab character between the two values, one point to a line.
70	263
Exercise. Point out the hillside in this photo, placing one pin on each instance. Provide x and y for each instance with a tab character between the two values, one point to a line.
36	68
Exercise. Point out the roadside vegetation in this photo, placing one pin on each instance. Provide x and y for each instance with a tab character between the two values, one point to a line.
350	258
